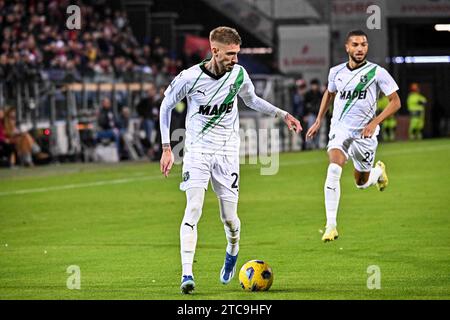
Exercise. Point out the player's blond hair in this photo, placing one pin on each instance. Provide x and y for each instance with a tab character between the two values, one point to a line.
225	35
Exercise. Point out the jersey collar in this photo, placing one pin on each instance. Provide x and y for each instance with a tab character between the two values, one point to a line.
361	65
209	73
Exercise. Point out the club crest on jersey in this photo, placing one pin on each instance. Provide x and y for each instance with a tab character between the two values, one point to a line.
363	79
233	89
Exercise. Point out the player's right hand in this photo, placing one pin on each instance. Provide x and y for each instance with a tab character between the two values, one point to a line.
313	130
292	123
167	160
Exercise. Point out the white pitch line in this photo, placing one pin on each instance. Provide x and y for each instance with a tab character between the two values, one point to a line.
384	153
77	186
127	180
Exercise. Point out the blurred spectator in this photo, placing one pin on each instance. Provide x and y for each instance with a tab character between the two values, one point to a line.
298	100
416	103
148	111
72	74
298	104
313	97
156	148
108	125
7	149
389	125
127	149
124	120
23	142
178	117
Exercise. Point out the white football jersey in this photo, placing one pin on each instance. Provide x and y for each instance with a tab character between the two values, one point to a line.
357	92
212	120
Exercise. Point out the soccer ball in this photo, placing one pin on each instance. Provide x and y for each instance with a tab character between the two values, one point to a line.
255	275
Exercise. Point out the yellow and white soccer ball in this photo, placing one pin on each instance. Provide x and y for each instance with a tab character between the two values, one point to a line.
256	275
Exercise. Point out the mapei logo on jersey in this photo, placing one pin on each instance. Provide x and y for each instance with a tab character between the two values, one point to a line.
356	94
216	109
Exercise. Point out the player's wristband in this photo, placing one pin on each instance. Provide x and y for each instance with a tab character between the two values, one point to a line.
281	113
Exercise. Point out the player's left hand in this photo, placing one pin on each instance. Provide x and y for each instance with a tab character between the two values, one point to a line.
167	160
293	123
369	130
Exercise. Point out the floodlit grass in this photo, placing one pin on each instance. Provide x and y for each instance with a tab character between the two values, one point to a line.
120	225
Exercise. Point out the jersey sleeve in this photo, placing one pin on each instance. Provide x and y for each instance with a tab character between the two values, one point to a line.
177	89
251	100
174	93
386	83
331	78
247	90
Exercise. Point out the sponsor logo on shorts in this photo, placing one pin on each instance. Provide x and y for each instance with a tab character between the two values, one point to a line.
186	176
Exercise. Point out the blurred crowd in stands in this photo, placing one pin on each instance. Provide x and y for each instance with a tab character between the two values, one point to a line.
36	45
35	42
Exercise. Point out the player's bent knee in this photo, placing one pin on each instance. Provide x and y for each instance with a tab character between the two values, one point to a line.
231	224
337	156
334	169
192	213
228	212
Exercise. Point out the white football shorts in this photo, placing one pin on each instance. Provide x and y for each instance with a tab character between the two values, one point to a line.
223	171
360	150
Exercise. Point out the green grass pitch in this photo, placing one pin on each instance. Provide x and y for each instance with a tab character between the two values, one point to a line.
120	225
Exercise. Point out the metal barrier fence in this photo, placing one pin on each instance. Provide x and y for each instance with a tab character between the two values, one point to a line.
65	107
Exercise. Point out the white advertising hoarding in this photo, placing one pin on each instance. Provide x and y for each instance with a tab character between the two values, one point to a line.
304	50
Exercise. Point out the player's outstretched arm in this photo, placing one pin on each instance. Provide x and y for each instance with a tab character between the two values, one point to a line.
392	107
261	105
251	100
324	104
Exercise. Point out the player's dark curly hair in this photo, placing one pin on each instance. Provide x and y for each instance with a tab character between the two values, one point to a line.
356	33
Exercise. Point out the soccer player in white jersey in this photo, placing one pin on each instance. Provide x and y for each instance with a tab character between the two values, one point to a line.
354	86
212	142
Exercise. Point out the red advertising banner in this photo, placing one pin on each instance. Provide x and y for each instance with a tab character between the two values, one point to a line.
196	45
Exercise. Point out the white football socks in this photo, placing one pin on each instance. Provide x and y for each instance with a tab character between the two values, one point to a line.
332	190
188	229
375	174
231	224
